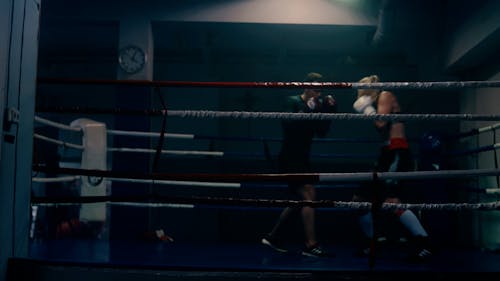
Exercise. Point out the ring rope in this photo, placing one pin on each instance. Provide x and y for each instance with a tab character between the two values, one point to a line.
471	132
475	150
230	138
205	137
312	177
195	152
184	136
221	154
495	157
157	201
329	116
283	85
482	190
112	132
58	142
206	184
181	183
278	115
57	125
127	149
55	179
171	152
313	155
149	134
495	190
164	182
489	128
426	85
198	152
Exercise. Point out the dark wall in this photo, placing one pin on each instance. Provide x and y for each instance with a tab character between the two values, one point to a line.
241	156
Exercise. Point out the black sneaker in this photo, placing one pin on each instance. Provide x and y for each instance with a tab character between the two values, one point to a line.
362	252
366	248
422	251
421	255
274	244
315	251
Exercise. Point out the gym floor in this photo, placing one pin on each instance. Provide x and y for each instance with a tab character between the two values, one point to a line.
99	260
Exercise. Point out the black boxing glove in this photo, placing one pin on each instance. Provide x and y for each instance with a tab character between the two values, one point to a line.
329	104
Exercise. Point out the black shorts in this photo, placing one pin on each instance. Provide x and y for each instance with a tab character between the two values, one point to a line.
389	160
290	166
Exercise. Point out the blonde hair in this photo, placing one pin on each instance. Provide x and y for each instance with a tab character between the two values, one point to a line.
369	92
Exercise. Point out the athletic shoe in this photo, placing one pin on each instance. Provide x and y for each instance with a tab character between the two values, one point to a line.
315	251
423	251
362	252
274	244
421	255
365	249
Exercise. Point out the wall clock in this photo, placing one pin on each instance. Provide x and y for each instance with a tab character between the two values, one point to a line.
132	59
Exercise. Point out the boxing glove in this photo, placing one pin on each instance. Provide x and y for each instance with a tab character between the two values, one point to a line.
329	104
312	103
364	105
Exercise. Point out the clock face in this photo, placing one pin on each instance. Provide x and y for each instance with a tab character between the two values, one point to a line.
132	59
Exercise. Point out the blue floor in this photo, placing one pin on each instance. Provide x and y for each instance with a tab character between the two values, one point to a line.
252	257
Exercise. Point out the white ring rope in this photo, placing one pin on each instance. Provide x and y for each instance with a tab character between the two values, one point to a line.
150	134
313	116
175	135
164	182
438	174
57	125
426	85
192	136
495	190
124	149
127	149
265	177
114	132
368	176
58	142
324	203
328	116
171	152
489	128
183	183
55	179
153	205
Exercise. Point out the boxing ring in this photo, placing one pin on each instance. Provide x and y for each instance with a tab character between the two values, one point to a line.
86	247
